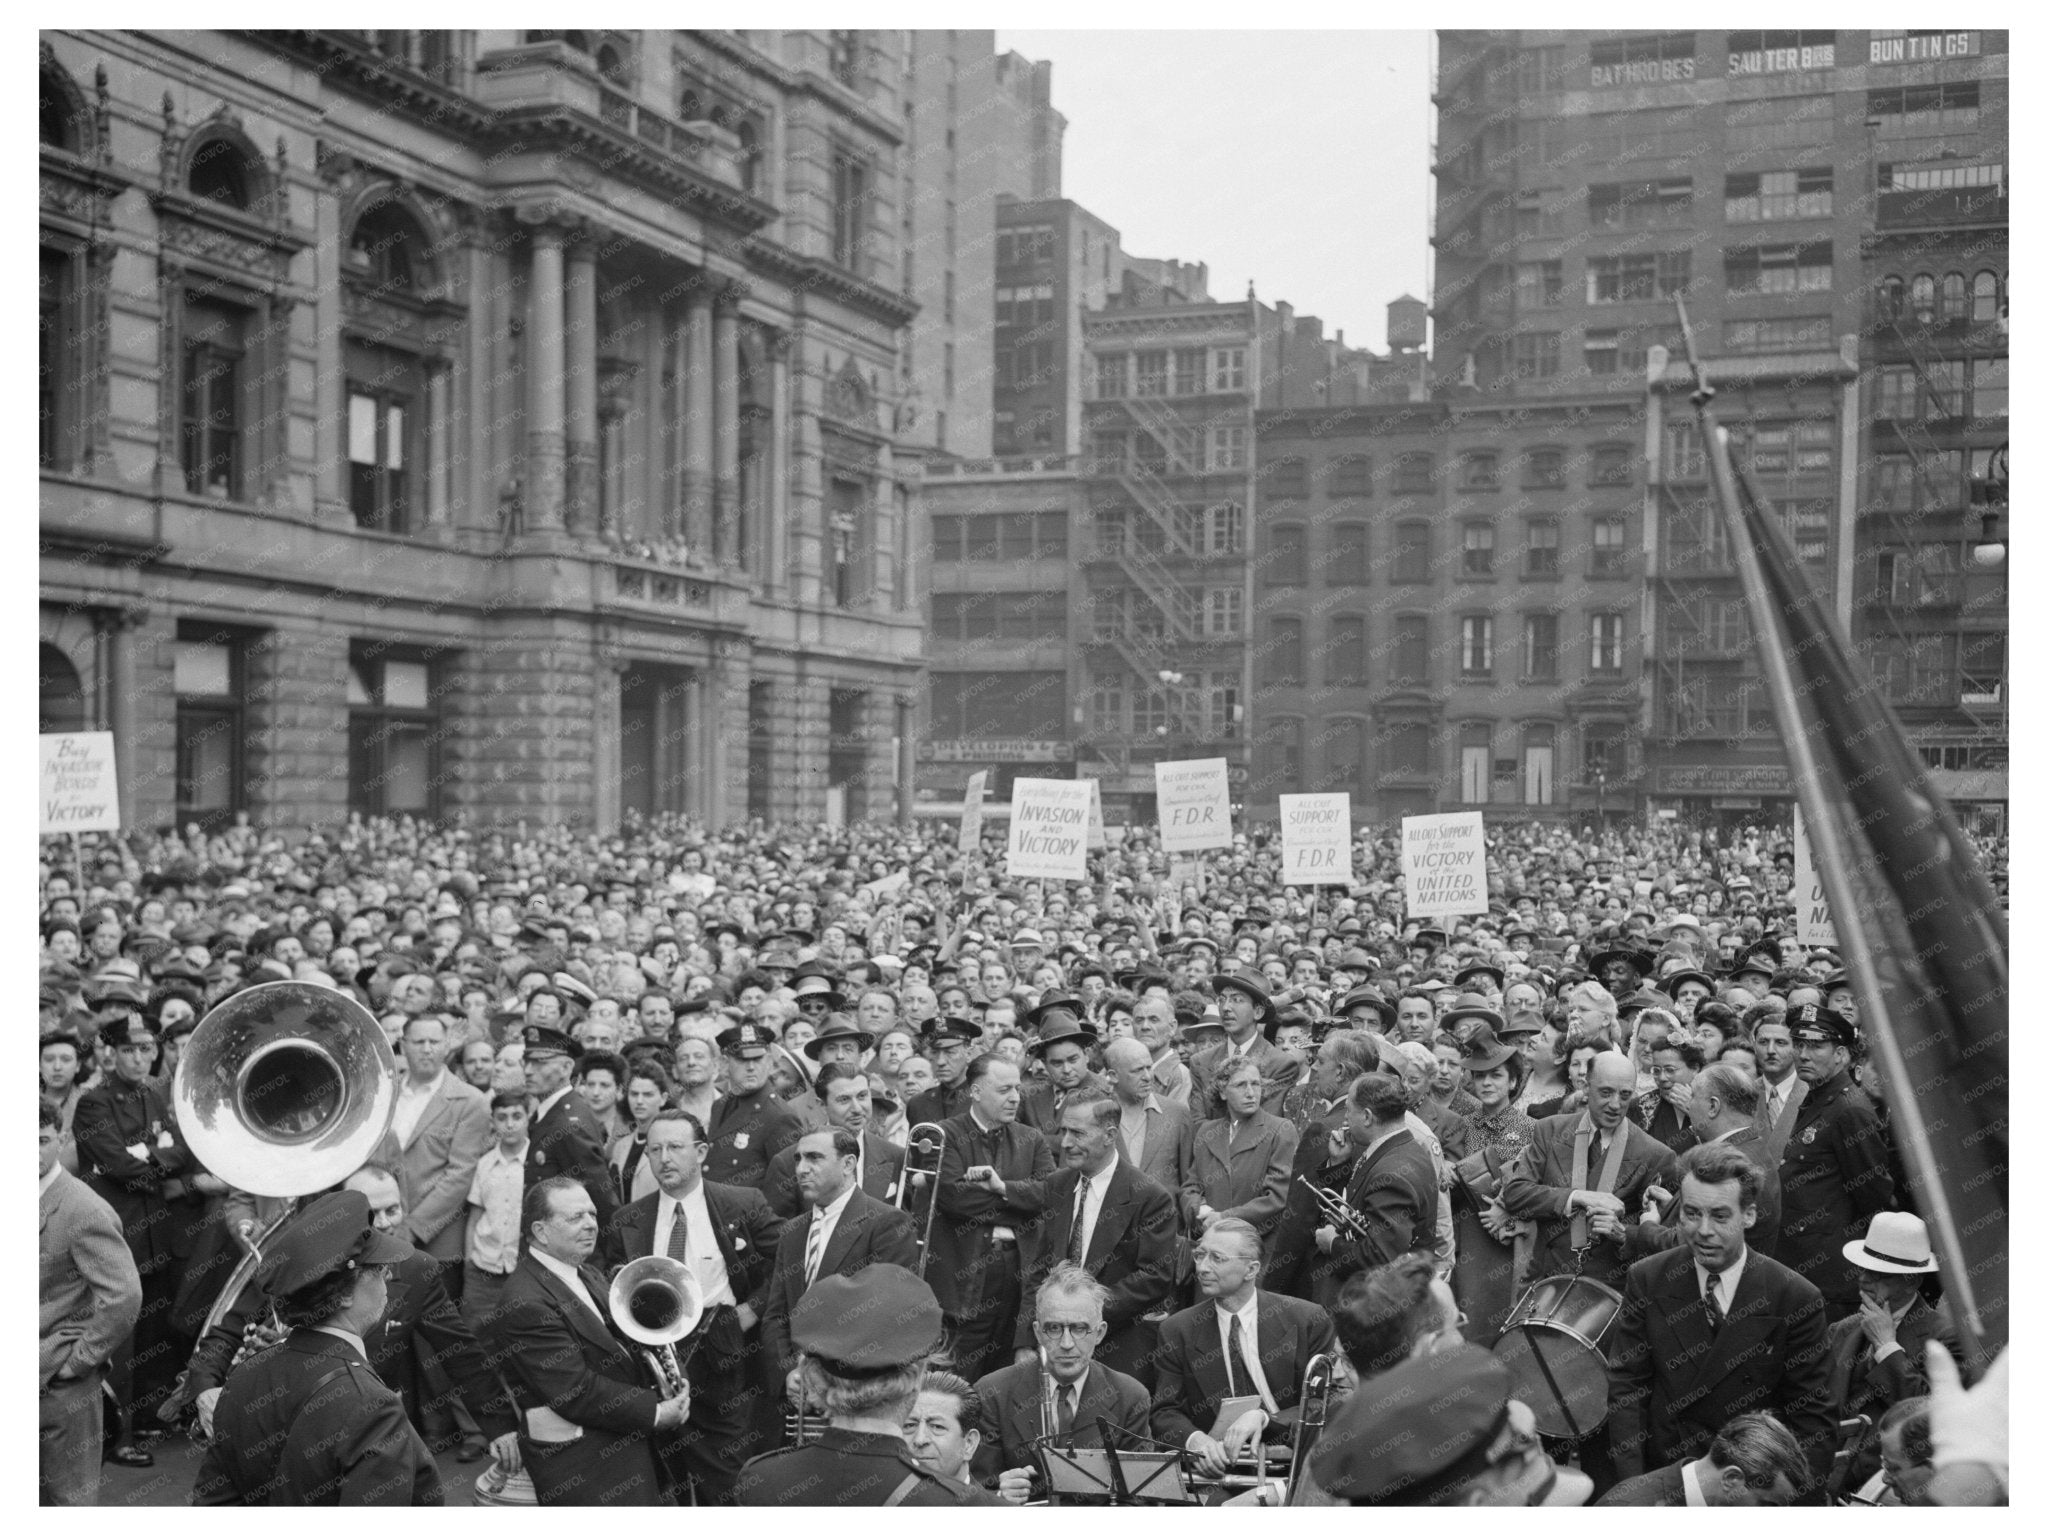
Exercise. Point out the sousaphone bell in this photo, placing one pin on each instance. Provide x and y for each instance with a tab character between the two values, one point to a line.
656	1301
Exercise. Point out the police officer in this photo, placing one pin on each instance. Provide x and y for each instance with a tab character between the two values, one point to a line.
307	1421
949	1043
1835	1173
751	1123
565	1137
865	1338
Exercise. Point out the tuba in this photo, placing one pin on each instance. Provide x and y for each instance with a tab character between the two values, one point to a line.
657	1301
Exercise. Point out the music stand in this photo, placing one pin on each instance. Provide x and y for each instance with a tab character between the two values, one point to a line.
1078	1473
1158	1478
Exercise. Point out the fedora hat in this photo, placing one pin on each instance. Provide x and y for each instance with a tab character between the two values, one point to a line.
1054	1000
1472	1005
837	1027
1241	981
1486	1050
1896	1245
1069	1027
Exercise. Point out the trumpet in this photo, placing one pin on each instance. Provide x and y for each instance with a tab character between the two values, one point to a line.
1337	1211
923	1155
657	1301
1318	1384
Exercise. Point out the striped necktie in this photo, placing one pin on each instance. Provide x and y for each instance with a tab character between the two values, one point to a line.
814	1248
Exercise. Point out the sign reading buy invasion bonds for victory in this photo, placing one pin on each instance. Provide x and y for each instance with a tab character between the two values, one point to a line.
1048	829
1443	864
77	792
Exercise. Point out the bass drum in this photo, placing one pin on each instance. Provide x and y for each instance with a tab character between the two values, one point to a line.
1553	1345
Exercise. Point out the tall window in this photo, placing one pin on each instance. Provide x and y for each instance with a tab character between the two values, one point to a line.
377	459
392	725
1350	562
1610	547
1603	751
207	677
1478	550
1539	775
55	343
1289	556
1539	284
1535	355
1411	551
1226	447
1223	611
1606	637
211	415
1350	476
1347	653
1286	669
1539	647
850	212
1151	373
1414	474
1540	557
1411	648
1475	762
1189	366
1226	369
1110	371
1475	646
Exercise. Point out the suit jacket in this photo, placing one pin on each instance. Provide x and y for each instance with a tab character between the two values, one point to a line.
306	1422
1665	1121
1194	1381
1859	1384
1039	1108
438	1162
963	1233
1243	1175
1394	1188
1131	1251
1836	1175
1013	1414
1677	1381
1169	1144
746	1231
1661	1489
881	1166
112	1117
568	1140
868	1231
1279	1070
559	1355
91	1291
1537	1184
940	1104
1763	1237
747	1129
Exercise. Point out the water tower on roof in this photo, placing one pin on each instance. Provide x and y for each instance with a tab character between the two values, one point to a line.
1407	324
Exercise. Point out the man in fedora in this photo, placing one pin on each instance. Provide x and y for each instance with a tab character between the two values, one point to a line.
1062	1044
1244	1007
1877	1358
838	1040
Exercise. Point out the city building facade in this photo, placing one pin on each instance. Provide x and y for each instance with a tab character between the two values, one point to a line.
478	423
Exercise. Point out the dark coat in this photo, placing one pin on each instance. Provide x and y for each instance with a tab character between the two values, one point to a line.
747	1130
1394	1189
1661	1489
1039	1105
112	1117
1537	1184
568	1140
1131	1251
942	1103
1169	1144
558	1355
746	1231
1676	1381
1243	1174
1013	1414
849	1469
1279	1071
1194	1381
1665	1121
881	1167
963	1234
306	1422
868	1232
1836	1173
1859	1384
1770	1201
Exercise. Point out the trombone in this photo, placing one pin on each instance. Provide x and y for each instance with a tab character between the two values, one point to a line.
1318	1385
924	1153
657	1301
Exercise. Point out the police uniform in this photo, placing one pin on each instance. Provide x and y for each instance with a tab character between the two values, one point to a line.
568	1140
308	1422
1835	1171
942	1101
879	1319
747	1129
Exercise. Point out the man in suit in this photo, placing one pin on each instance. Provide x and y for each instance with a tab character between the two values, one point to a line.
1724	1100
1393	1185
564	1138
439	1130
949	1045
90	1294
1063	1390
751	1123
844	1230
1237	1341
848	1096
589	1427
1711	1330
1118	1225
1753	1462
1877	1359
307	1421
1582	1179
1836	1169
1062	1045
1245	1006
1156	1133
727	1236
991	1189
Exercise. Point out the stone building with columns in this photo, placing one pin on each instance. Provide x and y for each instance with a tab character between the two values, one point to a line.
483	423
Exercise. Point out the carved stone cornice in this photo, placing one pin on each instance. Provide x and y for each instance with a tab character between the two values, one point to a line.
809	274
201	230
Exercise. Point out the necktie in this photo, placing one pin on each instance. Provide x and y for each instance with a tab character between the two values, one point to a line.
1065	1416
1233	1361
1077	1245
679	1236
814	1249
1715	1316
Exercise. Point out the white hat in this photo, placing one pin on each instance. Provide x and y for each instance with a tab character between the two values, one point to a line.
1897	1245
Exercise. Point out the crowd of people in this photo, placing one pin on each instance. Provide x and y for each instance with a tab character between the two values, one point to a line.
971	1174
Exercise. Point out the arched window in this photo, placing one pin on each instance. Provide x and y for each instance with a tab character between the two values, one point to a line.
1984	297
59	114
1955	297
690	108
218	174
1891	298
611	63
387	248
750	155
60	696
580	41
846	57
1922	306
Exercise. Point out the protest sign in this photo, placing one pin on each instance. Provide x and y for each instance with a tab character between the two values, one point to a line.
970	810
1816	918
1443	864
1194	804
1098	837
1315	839
1048	829
78	793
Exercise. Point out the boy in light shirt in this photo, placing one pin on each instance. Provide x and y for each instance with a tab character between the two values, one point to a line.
491	1247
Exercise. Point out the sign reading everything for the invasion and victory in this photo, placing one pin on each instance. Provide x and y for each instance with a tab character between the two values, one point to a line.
1048	829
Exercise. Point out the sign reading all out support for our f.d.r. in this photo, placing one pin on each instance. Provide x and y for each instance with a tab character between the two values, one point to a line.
77	791
1194	804
1315	839
1048	829
1816	917
1443	864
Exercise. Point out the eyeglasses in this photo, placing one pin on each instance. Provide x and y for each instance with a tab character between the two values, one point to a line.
1075	1331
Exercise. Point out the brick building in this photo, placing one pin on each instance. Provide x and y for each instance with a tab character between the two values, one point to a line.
478	422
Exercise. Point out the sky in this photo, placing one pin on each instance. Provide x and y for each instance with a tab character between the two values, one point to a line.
1298	160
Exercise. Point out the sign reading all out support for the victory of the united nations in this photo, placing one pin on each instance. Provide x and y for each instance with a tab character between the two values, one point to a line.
1315	839
1048	829
78	791
1816	917
1443	864
1194	804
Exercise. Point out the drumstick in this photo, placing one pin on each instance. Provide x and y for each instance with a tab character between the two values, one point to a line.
1564	1405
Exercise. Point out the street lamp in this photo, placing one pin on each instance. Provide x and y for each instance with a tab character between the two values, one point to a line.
1600	796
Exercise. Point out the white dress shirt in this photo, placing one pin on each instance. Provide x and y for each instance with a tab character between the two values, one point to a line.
824	1220
43	1185
1250	1345
412	1103
1090	1193
1695	1495
567	1274
700	1247
1726	1282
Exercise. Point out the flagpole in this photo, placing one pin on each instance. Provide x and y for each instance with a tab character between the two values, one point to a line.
1869	963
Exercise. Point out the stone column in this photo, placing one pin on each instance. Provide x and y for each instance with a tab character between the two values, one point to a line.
698	746
438	428
699	423
116	628
725	439
605	759
883	530
580	504
776	578
545	447
614	400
